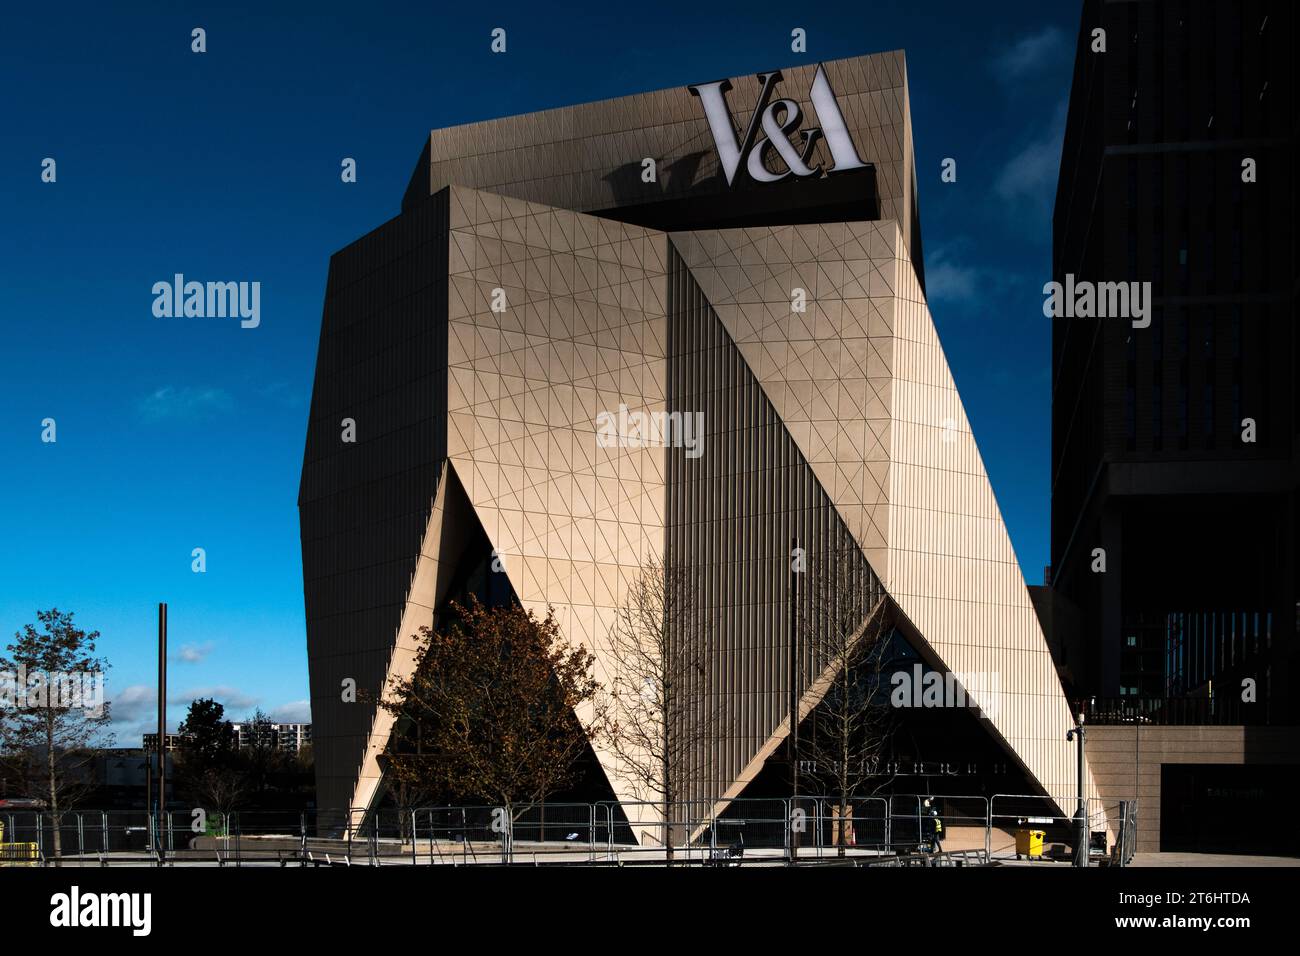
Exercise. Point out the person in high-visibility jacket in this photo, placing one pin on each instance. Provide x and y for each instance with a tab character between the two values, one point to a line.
934	826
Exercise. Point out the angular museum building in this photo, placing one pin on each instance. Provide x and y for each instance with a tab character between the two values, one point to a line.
741	257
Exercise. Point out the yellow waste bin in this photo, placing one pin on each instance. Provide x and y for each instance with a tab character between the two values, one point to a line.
1029	843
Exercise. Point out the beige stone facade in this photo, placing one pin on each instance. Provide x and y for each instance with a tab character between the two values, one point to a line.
526	315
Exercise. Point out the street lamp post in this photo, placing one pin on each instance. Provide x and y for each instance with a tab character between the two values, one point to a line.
792	740
1081	811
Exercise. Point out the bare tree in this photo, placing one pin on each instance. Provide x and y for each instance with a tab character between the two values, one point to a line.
58	712
662	714
846	629
220	787
407	796
259	750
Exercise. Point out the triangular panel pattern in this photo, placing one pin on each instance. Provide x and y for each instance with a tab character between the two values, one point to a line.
553	318
825	368
587	157
734	515
861	381
365	505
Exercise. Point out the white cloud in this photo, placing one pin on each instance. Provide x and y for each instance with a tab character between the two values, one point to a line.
1030	175
134	703
134	710
132	713
1031	53
949	281
193	653
283	394
955	276
183	404
231	698
294	712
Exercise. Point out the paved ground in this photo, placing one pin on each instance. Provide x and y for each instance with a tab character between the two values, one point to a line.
268	850
1168	860
1211	859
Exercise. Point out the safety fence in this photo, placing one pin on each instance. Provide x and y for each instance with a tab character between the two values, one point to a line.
1014	819
17	854
82	833
898	829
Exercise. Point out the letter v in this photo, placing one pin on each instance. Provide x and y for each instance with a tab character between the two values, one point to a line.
714	97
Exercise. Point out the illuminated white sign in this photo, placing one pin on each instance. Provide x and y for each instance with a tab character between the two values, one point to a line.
777	120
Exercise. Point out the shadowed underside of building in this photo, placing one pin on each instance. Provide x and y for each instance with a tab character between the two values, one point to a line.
537	278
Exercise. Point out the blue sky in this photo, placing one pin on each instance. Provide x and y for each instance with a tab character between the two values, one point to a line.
177	434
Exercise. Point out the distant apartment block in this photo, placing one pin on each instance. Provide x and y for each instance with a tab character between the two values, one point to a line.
150	742
289	737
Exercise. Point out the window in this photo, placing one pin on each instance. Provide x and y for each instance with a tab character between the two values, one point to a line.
1130	417
1157	417
1207	256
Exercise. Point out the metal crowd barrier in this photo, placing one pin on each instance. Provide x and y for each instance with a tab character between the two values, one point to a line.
815	828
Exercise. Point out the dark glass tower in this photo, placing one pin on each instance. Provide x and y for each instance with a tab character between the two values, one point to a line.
1174	446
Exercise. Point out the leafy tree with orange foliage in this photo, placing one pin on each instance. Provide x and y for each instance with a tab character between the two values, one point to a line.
491	711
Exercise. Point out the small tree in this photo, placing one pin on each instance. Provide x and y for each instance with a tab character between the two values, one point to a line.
58	712
407	797
490	711
206	737
221	788
662	715
846	633
207	757
259	752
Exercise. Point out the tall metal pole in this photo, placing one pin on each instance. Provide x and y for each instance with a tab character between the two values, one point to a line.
148	785
1137	749
1081	812
793	739
162	724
